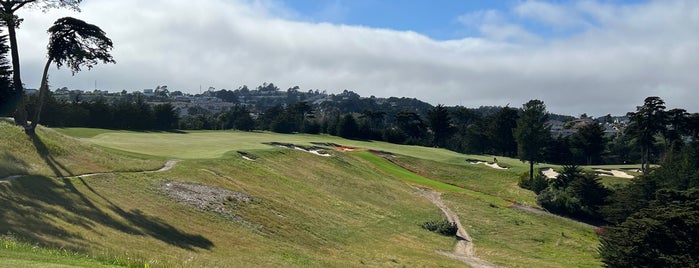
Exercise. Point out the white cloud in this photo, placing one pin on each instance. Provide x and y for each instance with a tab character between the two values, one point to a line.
632	52
558	16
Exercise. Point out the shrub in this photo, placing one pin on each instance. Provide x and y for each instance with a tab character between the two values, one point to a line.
442	227
538	184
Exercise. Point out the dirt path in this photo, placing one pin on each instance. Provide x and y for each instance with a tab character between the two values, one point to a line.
463	251
167	166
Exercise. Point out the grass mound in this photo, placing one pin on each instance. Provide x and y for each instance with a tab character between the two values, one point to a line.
50	153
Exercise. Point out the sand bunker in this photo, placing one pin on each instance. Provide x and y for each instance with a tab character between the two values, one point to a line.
492	165
314	150
247	156
614	173
550	173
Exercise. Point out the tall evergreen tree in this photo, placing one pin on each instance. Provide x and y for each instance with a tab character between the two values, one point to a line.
589	141
438	119
648	121
532	133
500	131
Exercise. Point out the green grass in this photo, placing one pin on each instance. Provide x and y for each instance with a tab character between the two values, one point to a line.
514	238
21	254
411	177
53	154
351	209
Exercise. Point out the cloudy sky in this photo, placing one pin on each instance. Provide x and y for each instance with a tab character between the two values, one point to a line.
588	56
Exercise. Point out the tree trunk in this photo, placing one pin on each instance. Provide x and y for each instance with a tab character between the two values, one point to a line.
20	111
531	170
43	92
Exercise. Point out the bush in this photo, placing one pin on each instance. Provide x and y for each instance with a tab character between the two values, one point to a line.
442	227
538	184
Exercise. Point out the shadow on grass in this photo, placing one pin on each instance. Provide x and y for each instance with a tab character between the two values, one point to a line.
43	151
32	206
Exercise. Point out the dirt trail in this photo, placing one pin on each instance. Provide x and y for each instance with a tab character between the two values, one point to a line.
167	166
463	251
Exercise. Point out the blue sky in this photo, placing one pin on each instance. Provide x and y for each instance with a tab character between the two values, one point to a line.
437	19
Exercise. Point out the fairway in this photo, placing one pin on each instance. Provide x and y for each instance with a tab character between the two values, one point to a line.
215	144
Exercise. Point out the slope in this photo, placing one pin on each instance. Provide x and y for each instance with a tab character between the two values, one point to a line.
285	208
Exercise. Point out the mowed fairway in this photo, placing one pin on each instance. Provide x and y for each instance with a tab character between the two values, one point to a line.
214	144
349	209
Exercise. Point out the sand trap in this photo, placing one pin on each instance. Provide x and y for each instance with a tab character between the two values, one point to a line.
317	152
550	173
492	165
615	173
247	158
313	150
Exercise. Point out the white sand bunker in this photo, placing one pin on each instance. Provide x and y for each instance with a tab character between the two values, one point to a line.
314	150
247	156
550	173
492	165
613	173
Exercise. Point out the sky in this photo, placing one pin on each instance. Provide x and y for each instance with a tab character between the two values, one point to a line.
587	56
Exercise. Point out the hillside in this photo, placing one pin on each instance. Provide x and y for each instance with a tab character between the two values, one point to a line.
286	207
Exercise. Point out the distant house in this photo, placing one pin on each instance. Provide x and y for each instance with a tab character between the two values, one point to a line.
148	92
559	130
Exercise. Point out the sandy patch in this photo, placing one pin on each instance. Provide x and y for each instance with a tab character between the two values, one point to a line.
313	150
492	165
550	173
614	173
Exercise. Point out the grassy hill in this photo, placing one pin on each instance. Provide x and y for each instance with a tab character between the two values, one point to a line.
286	208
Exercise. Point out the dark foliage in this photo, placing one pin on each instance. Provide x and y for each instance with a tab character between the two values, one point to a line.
442	227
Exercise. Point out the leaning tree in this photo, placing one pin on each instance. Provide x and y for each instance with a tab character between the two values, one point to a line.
76	44
8	8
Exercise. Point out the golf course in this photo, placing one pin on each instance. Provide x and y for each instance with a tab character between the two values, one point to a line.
81	197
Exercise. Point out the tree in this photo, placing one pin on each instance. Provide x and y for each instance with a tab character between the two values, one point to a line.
76	44
11	21
677	122
646	122
500	131
348	127
7	92
661	235
438	119
411	124
532	133
165	116
589	141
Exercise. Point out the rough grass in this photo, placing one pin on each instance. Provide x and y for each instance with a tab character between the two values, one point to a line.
351	209
515	238
332	212
53	154
479	178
